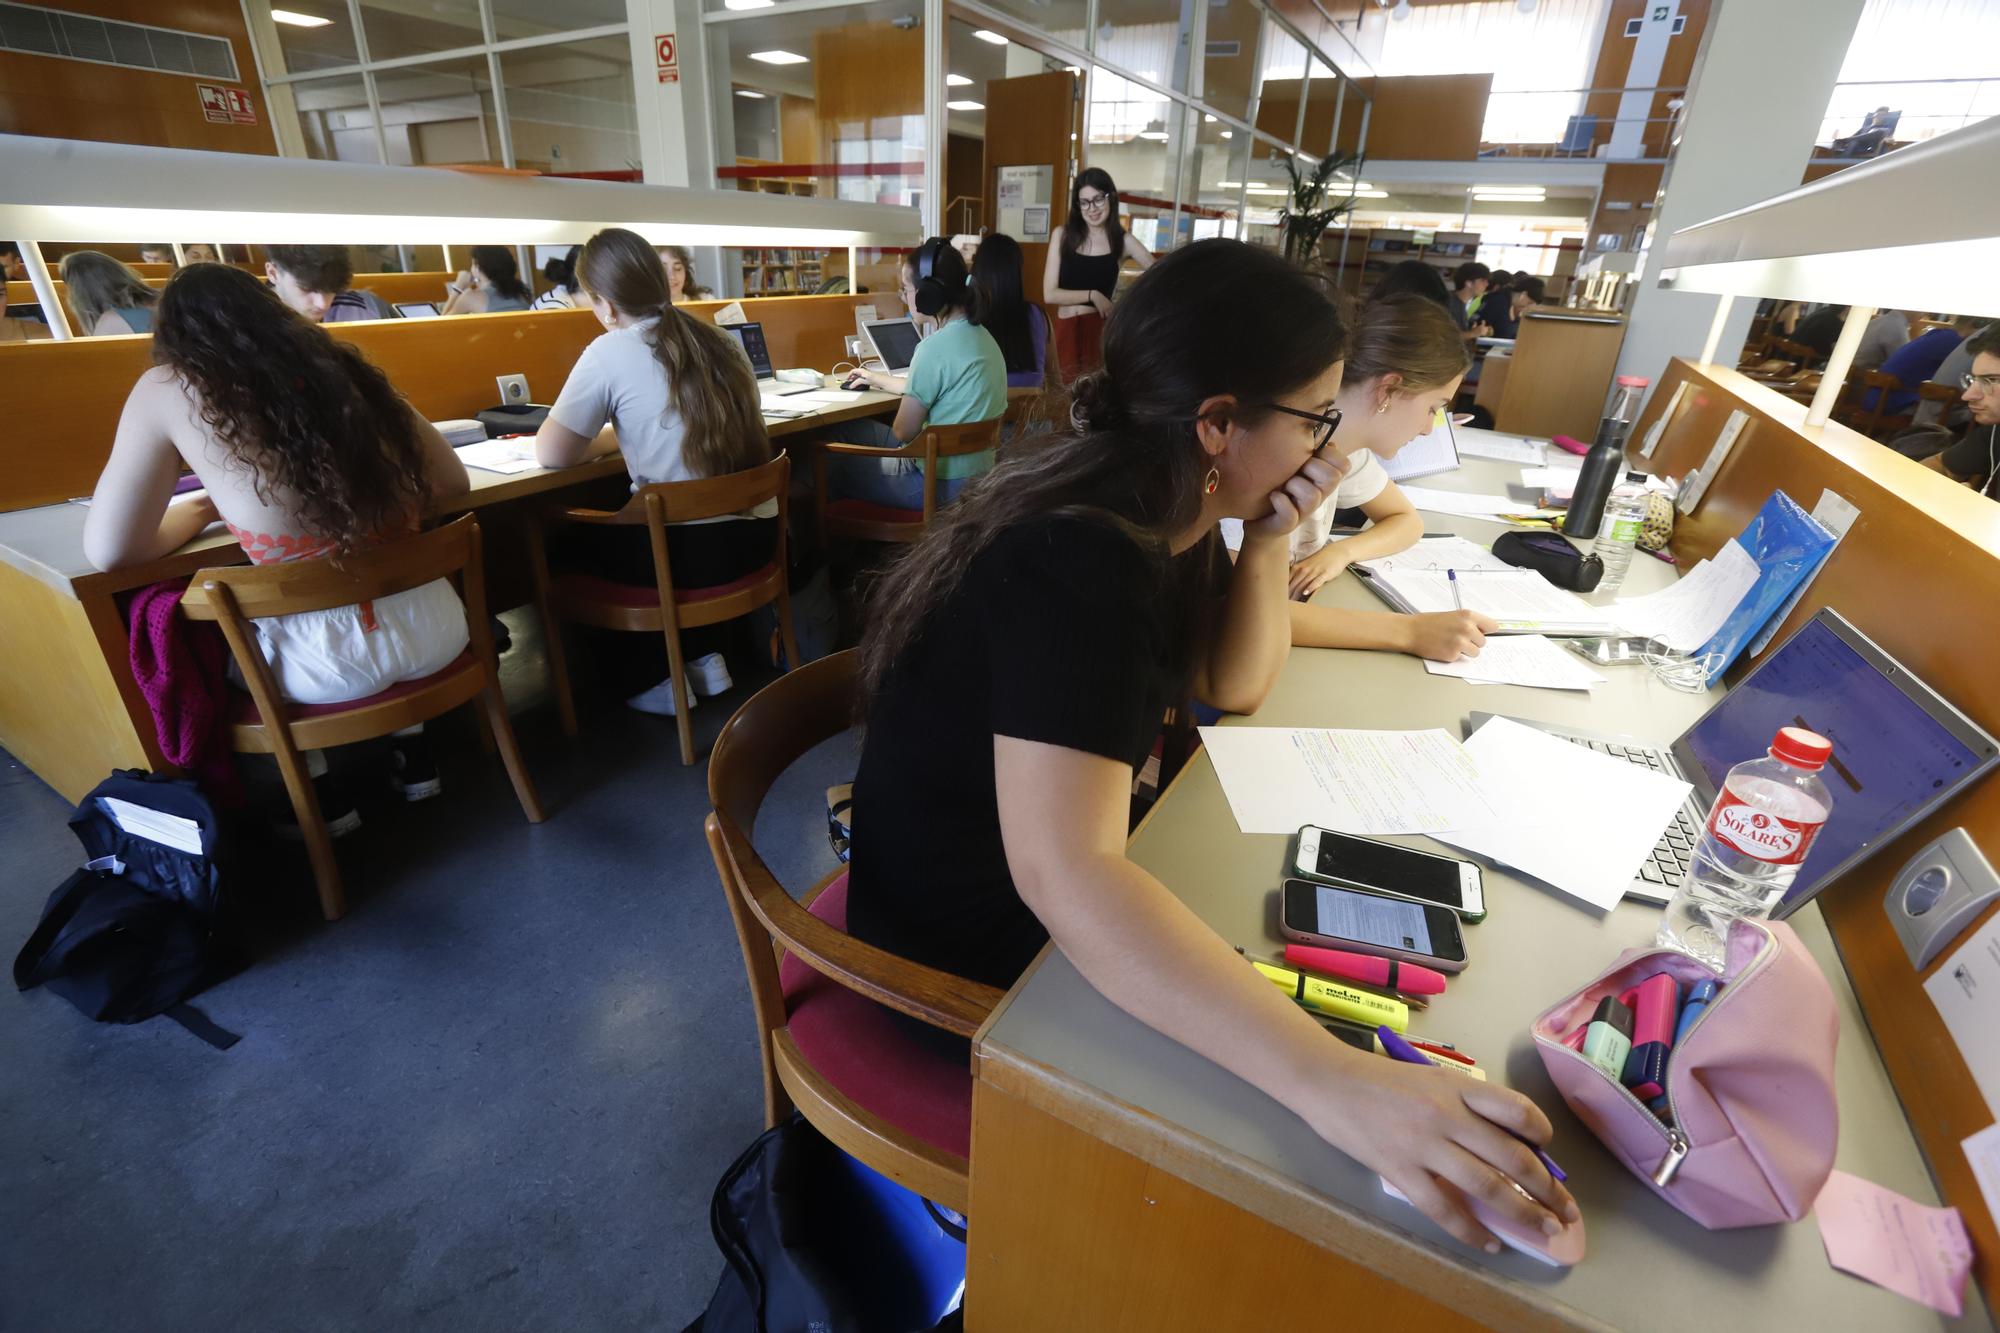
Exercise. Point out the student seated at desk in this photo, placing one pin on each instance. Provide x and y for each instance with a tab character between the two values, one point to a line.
565	290
957	375
491	286
1000	306
1405	359
306	450
106	296
1503	310
1015	672
681	402
313	280
1975	459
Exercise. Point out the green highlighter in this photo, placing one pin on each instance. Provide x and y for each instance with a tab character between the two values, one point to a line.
1608	1039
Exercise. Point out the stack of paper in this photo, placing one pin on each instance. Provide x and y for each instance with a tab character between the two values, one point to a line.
461	430
1280	779
513	454
1471	504
1501	448
1521	659
1688	612
1558	481
1597	821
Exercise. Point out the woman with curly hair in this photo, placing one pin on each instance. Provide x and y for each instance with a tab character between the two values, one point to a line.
305	450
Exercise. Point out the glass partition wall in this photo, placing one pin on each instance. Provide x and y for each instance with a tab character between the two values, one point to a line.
1192	106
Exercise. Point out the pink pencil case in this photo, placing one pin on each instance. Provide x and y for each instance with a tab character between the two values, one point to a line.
1750	1088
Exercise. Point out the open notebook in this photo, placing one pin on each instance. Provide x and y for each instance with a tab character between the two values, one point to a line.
1419	580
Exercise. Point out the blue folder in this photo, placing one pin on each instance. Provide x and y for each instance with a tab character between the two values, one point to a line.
1788	545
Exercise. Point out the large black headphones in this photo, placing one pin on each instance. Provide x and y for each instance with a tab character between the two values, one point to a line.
933	296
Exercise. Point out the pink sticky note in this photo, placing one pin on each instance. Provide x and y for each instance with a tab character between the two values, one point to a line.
1894	1242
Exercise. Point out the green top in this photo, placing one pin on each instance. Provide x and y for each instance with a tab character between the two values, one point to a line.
959	375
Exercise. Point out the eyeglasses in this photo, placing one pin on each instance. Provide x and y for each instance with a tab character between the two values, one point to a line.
1092	200
1984	383
1329	422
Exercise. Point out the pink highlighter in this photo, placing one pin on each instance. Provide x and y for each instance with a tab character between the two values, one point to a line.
1367	969
1656	1006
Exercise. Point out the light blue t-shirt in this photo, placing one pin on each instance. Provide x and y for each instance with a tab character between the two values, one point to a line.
959	375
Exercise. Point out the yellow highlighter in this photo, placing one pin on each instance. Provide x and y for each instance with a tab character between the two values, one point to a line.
1338	1001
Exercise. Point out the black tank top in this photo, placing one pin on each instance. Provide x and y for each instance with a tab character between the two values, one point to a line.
1087	273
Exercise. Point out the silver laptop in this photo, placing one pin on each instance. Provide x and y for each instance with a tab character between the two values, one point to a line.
1899	751
894	342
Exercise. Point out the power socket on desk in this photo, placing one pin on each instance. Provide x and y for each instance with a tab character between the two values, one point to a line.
513	389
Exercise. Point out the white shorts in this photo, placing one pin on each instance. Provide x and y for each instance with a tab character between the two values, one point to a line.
351	652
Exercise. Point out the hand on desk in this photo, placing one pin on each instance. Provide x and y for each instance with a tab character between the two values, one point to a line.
1439	1137
1446	636
1318	569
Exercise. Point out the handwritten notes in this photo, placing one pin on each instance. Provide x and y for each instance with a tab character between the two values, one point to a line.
1279	779
1894	1242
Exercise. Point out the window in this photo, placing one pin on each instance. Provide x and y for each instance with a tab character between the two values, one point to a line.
336	121
1929	64
1540	60
1127	135
327	46
440	115
571	108
395	29
1229	63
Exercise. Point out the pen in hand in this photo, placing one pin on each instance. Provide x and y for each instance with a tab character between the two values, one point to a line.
1457	602
1399	1049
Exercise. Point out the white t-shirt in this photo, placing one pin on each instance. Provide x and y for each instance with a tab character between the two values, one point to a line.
1366	478
619	380
555	298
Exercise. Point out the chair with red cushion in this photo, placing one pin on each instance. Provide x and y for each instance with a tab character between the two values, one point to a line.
831	1048
237	595
660	607
858	520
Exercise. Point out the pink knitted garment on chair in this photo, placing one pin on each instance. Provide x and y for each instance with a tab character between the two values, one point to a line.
181	668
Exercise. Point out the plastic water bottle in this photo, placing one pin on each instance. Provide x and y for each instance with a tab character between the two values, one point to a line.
1605	463
1624	515
1757	835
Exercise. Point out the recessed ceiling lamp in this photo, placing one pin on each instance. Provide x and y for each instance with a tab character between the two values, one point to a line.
295	19
748	4
965	106
778	57
750	93
956	81
988	35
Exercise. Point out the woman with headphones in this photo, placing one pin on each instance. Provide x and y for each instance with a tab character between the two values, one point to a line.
1080	273
957	375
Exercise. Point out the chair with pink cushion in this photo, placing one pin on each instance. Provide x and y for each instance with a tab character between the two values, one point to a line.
831	1048
236	595
863	521
660	607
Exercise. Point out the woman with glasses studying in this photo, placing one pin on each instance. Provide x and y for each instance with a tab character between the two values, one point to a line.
1080	274
1405	358
1014	673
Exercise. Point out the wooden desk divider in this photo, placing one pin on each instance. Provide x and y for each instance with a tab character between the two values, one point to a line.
64	398
1919	573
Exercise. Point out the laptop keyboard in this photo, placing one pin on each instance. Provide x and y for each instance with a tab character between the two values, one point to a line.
1673	853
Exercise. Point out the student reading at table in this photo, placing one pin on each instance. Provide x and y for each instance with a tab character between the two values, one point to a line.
305	450
680	400
106	296
1000	306
315	280
1015	669
491	286
1975	459
957	375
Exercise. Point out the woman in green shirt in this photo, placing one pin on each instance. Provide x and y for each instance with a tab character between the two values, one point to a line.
958	375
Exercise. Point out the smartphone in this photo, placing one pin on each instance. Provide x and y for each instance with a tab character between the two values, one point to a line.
1387	867
1367	922
1608	652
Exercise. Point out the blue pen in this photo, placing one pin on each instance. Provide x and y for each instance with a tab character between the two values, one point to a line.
1457	603
1700	996
1397	1049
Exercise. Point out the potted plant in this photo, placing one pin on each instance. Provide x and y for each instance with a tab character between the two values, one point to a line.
1316	203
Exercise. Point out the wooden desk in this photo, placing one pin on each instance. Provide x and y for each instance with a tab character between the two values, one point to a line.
1121	1182
69	708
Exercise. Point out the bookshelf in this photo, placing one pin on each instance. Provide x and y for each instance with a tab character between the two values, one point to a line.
782	272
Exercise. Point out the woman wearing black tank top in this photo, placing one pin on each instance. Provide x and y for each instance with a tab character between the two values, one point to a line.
1081	271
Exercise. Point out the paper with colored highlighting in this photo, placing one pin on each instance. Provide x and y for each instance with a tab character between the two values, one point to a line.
1279	779
1521	659
1589	844
1896	1243
1966	990
1688	611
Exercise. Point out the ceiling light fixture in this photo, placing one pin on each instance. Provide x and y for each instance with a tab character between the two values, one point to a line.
295	19
778	57
1207	119
956	81
748	4
1229	134
750	93
965	106
988	35
1158	136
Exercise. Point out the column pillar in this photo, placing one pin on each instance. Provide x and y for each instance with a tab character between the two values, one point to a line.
1741	141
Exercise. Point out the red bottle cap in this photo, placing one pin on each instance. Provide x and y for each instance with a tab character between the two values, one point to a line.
1633	381
1801	748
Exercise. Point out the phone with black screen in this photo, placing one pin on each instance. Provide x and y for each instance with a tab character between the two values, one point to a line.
1387	867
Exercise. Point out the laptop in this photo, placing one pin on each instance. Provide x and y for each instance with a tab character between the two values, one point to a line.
770	389
416	309
894	342
1899	751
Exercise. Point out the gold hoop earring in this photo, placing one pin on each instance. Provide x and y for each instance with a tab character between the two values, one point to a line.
1213	480
1380	408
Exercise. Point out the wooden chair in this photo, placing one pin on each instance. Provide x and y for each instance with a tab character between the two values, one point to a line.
859	520
1870	418
660	607
1935	391
830	1048
236	595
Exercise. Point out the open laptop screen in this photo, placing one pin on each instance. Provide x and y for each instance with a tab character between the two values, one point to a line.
417	309
751	335
1898	749
895	342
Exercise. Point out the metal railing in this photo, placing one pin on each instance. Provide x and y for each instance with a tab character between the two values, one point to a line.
1560	123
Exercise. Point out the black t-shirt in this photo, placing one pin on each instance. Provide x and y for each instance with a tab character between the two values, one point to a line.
1064	631
1974	456
1821	329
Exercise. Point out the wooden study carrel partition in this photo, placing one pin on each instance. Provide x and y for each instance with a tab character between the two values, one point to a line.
1919	573
64	398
